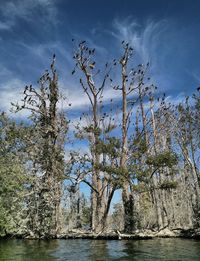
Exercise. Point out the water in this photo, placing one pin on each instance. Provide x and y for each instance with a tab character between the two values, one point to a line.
100	250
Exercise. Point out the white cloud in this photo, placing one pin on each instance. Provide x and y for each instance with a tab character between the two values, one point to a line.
11	91
153	42
175	100
195	75
5	25
144	39
79	99
14	9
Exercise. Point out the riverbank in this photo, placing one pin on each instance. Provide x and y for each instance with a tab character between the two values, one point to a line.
139	235
117	235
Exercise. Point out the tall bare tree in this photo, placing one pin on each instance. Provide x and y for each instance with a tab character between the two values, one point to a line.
103	148
46	151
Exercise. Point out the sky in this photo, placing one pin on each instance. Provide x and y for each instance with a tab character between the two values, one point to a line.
164	33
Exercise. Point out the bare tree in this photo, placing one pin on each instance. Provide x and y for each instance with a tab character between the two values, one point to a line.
46	151
97	131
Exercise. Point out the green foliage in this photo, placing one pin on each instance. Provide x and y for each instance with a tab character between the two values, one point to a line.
167	184
86	216
142	170
91	129
109	128
110	147
164	159
138	188
138	147
13	178
117	216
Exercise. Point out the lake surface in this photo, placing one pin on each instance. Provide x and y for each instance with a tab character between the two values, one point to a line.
100	250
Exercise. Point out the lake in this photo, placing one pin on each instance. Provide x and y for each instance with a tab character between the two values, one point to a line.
100	250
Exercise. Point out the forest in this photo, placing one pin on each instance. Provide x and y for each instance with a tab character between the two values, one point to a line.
140	145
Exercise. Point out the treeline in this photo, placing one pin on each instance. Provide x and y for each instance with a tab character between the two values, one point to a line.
139	145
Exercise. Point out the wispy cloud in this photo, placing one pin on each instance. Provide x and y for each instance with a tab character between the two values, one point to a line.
12	10
143	38
195	75
5	25
156	42
11	91
79	99
146	40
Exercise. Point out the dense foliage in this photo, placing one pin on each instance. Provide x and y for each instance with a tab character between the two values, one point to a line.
139	146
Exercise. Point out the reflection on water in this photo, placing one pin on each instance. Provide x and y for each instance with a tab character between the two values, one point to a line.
25	250
100	250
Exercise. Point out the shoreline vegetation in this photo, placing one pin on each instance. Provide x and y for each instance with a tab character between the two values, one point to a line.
144	234
128	162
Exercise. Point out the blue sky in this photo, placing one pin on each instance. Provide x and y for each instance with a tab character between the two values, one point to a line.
164	33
